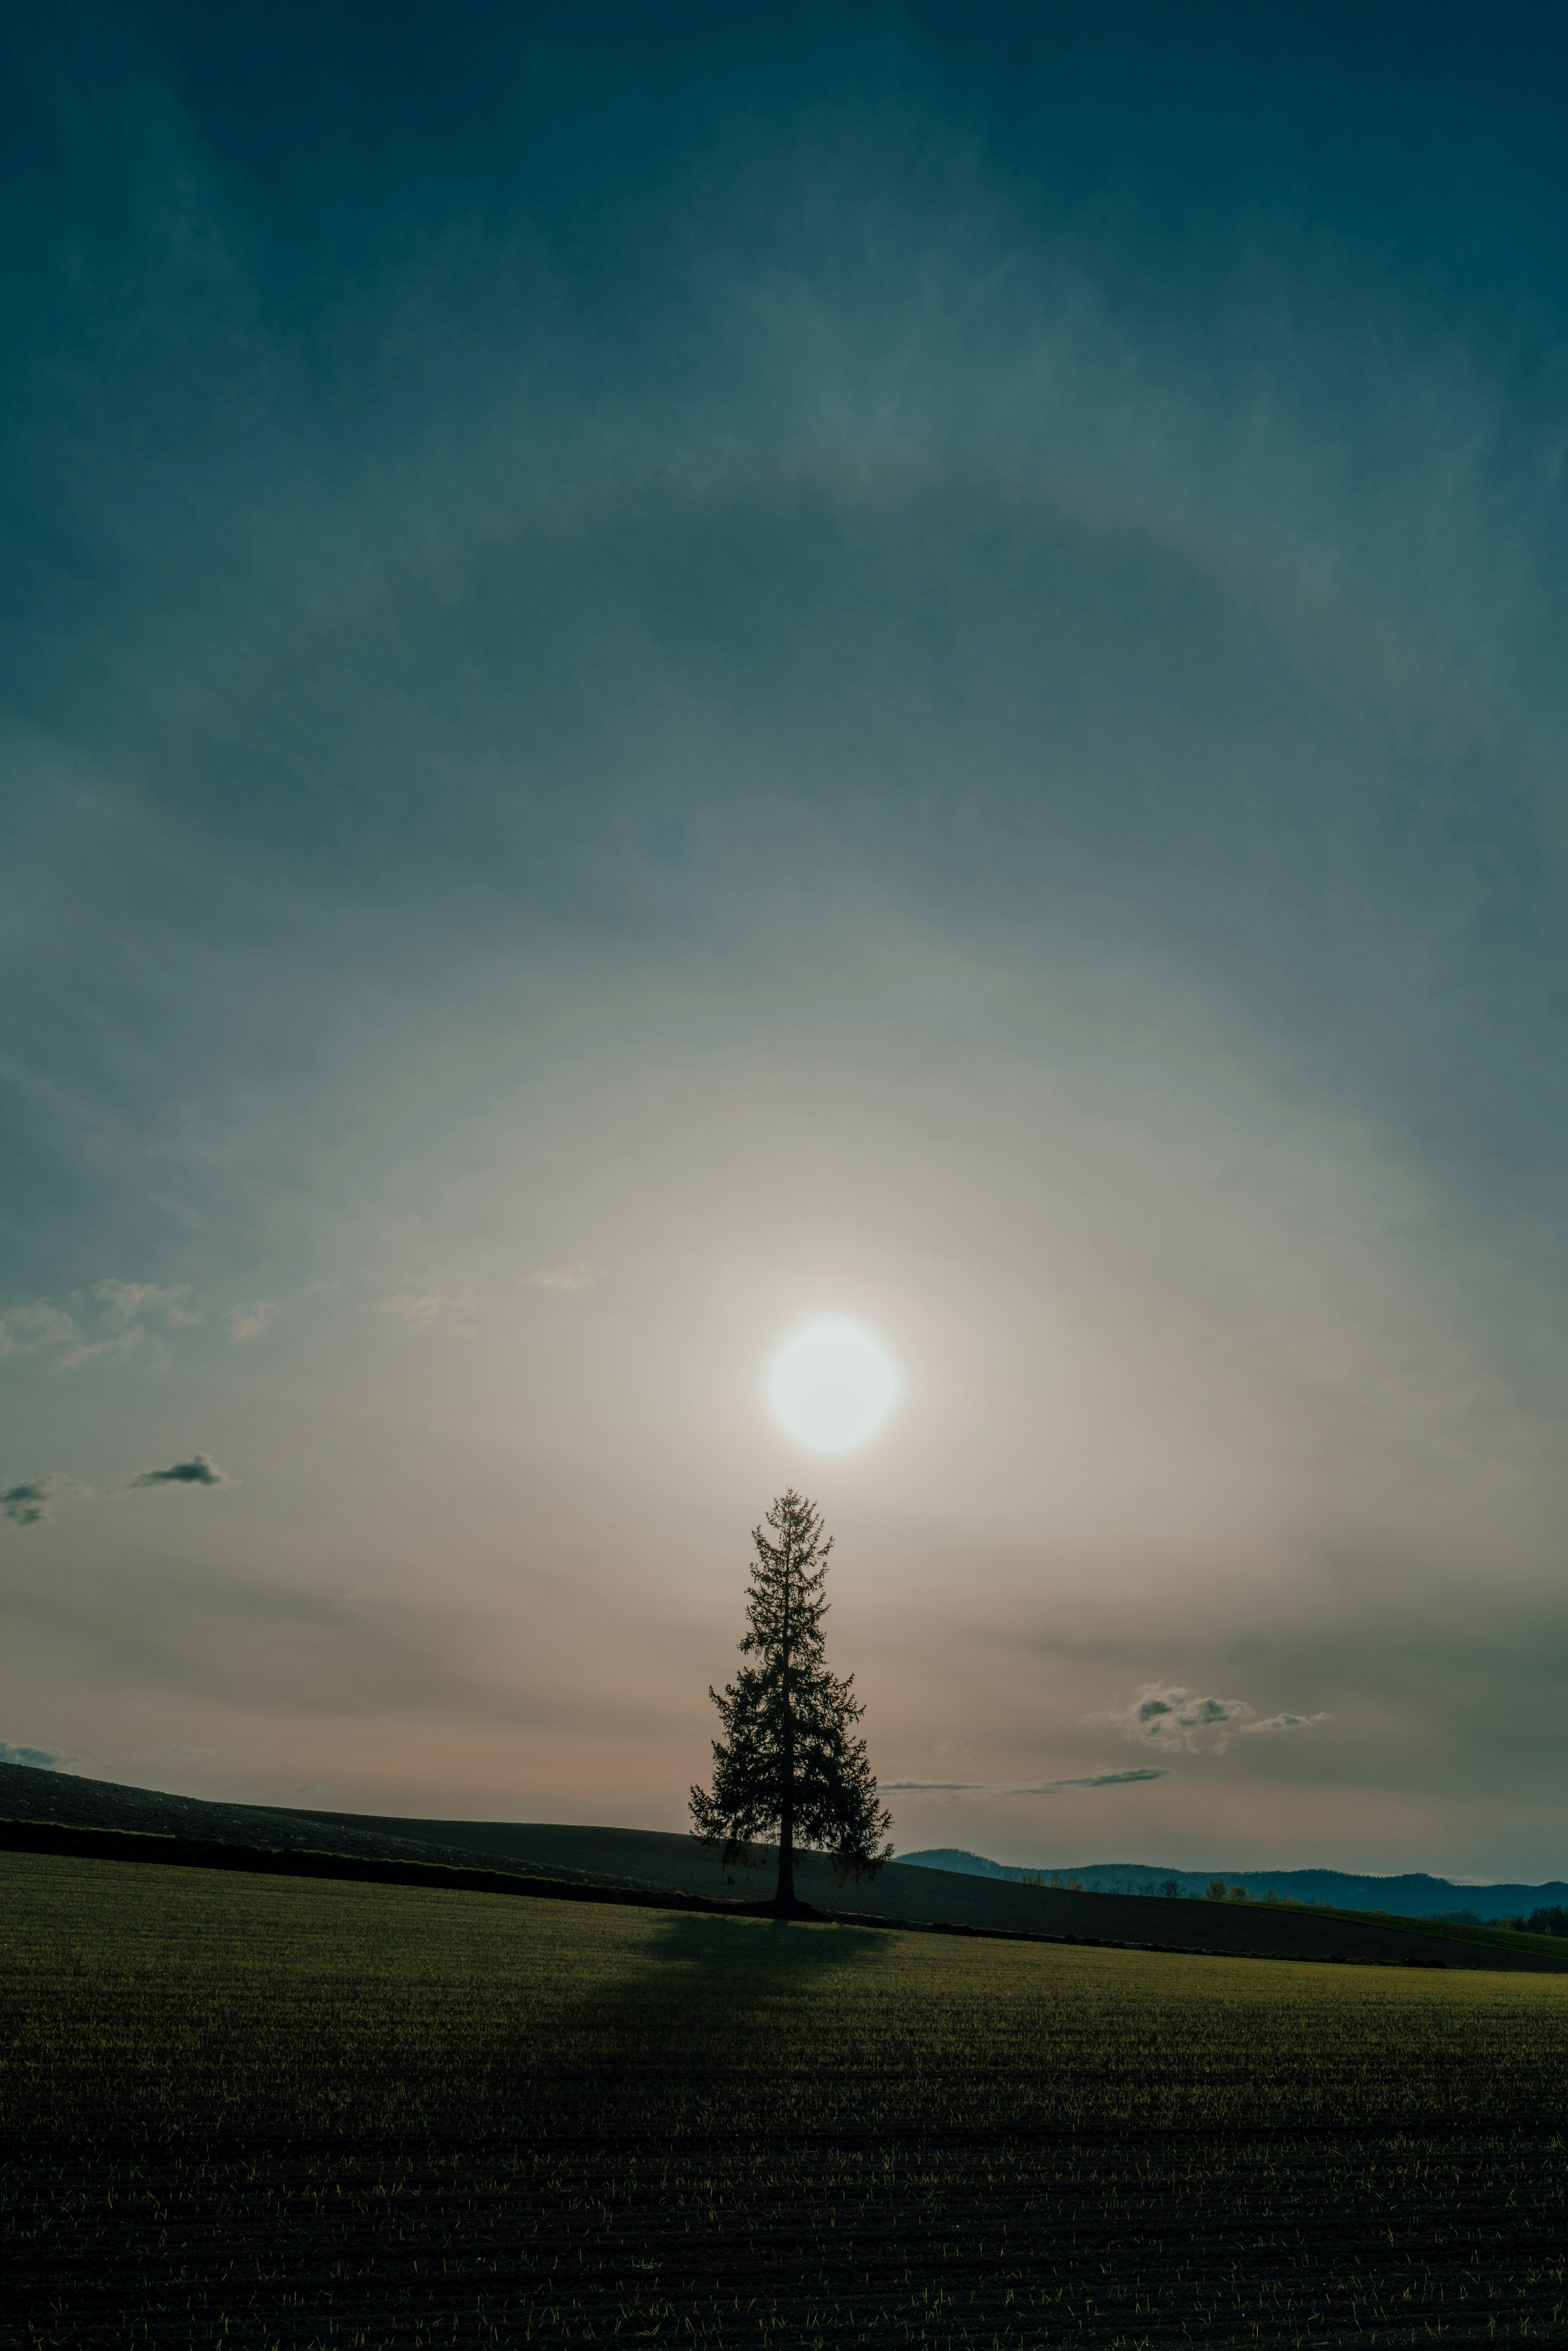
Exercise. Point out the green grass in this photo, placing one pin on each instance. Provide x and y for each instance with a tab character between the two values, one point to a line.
273	2112
1502	1939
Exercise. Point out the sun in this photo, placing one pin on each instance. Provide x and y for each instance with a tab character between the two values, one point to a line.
833	1386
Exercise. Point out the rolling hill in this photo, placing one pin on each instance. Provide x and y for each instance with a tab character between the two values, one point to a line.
904	1892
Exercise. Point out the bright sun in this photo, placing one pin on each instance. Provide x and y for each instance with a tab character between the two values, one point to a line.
833	1386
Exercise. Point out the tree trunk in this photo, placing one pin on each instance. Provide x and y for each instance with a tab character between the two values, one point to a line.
784	1900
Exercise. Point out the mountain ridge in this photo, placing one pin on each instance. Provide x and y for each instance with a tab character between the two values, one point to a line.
1411	1894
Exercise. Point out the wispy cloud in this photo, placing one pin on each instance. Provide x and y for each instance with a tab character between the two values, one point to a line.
123	1302
1030	1787
422	1309
197	1471
41	1326
26	1329
417	1308
88	1351
562	1277
38	1759
242	1323
1164	1714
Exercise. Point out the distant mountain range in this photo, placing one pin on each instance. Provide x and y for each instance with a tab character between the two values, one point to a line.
1415	1896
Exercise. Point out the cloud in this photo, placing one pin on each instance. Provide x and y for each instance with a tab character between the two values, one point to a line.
421	1309
122	1301
418	1309
197	1471
87	1351
242	1323
23	1329
562	1277
38	1758
26	1504
40	1325
1096	1779
1165	1716
1035	1787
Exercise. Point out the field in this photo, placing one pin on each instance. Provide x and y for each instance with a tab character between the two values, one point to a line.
267	2111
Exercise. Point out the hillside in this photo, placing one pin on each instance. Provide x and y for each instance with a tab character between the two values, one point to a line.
28	1794
1414	1895
654	1859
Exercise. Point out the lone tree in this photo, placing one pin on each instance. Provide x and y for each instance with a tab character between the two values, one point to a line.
789	1758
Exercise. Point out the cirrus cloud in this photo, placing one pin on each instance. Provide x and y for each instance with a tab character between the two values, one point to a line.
1033	1788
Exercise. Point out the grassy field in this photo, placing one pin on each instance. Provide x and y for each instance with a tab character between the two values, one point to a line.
1500	1939
273	2112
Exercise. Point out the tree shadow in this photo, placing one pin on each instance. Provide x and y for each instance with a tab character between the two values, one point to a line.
758	1955
670	2047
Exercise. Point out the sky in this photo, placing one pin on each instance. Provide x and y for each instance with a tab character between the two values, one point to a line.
671	672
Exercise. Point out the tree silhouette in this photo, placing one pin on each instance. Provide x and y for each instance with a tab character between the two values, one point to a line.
790	1759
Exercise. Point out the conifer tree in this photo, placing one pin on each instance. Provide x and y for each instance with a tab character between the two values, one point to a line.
789	1758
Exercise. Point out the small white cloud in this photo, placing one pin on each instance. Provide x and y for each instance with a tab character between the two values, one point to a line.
1164	1714
242	1323
562	1277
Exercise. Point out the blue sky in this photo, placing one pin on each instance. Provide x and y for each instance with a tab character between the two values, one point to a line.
665	671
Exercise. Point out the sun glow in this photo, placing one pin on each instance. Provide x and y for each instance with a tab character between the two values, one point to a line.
833	1386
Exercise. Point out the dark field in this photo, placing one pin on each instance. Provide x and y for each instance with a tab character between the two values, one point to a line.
267	2111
